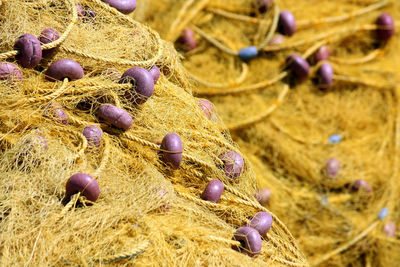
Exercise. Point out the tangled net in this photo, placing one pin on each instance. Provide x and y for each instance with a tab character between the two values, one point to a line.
290	128
148	213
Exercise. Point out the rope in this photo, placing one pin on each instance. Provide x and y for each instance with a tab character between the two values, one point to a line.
67	30
118	61
176	29
52	96
246	88
302	24
393	182
81	150
156	147
199	201
104	160
152	145
346	245
263	115
262	84
313	49
239	80
273	28
212	138
289	263
56	42
176	22
332	35
255	204
214	41
197	161
224	240
76	120
347	79
69	205
8	54
118	14
231	15
353	61
243	199
378	5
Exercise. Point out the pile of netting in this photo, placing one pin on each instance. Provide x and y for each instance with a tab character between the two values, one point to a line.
310	92
98	169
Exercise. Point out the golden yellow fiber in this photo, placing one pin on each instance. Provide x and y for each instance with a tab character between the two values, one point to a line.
147	214
287	141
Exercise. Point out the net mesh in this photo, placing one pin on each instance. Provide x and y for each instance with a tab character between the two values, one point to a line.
285	127
147	214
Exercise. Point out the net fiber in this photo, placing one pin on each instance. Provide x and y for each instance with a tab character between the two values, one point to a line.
284	125
147	214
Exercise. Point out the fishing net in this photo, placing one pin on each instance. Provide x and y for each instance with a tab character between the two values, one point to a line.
289	128
147	213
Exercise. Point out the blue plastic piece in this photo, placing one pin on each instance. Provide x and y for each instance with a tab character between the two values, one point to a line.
335	139
248	53
383	213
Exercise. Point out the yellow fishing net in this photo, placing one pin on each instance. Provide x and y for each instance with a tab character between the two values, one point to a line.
147	213
289	128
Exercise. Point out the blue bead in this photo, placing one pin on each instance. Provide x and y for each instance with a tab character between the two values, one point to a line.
248	53
335	139
383	213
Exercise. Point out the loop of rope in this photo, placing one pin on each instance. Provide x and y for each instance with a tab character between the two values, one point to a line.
213	41
263	115
369	57
179	24
67	30
304	23
351	15
264	46
273	28
239	80
246	88
346	245
177	21
56	42
231	15
332	35
121	61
